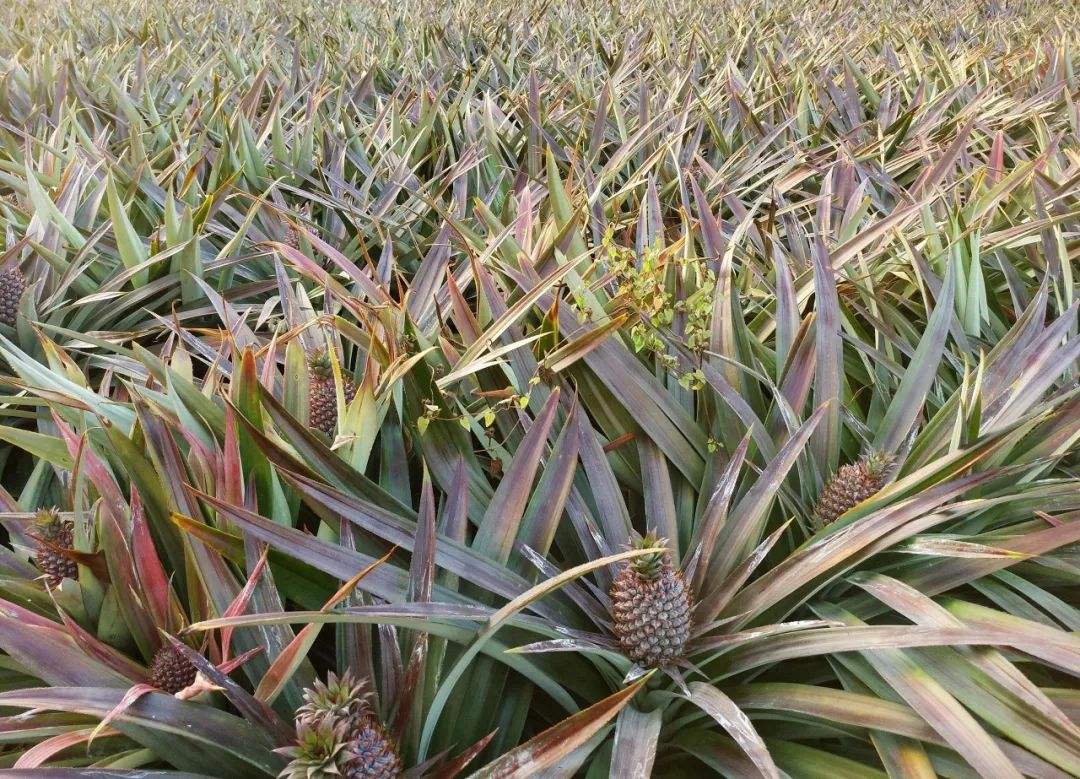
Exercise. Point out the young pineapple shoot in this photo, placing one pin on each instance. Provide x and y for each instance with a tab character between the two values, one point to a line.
851	485
650	607
322	397
54	535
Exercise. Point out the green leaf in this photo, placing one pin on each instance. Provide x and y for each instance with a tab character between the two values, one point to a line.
190	736
46	447
721	708
132	250
495	622
558	741
636	739
920	374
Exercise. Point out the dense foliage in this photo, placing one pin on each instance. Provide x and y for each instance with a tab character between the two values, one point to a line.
558	388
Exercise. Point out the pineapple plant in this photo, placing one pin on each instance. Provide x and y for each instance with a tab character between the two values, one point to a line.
54	536
12	286
594	298
322	397
339	734
651	606
851	485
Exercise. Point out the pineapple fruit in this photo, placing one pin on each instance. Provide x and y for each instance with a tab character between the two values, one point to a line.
170	671
291	237
322	397
12	286
650	607
290	233
851	485
370	752
339	735
54	534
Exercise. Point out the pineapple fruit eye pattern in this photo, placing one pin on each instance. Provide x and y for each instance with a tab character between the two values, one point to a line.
549	388
650	607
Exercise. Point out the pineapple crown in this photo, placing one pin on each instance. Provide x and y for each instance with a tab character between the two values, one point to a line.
339	699
649	566
876	463
167	653
317	750
319	364
48	525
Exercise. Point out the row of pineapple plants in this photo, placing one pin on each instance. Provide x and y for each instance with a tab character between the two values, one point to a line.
539	390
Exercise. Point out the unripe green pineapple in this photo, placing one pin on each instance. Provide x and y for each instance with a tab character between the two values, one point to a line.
171	671
54	534
322	394
650	607
317	753
851	485
12	286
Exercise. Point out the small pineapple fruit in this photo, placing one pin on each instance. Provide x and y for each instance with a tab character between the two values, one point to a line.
291	237
317	753
12	286
851	485
650	607
370	752
171	671
54	534
322	408
339	699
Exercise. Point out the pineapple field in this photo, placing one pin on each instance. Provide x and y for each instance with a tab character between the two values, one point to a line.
556	388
